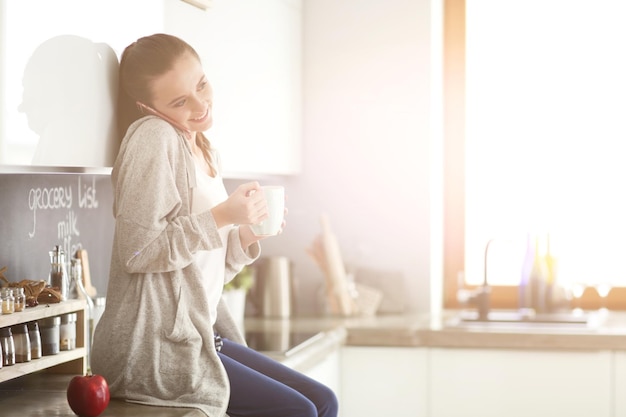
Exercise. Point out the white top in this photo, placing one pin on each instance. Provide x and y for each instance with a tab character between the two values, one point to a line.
209	192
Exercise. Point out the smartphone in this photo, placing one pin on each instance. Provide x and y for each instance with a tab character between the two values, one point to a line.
168	119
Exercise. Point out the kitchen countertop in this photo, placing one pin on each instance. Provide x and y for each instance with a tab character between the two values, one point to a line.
323	341
607	332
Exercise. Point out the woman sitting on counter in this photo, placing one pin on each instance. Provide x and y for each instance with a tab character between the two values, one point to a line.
166	338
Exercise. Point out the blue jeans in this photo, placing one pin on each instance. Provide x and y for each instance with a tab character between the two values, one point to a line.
260	386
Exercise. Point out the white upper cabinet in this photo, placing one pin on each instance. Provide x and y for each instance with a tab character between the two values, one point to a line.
58	77
252	54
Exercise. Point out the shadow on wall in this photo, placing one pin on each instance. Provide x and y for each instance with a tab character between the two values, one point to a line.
69	98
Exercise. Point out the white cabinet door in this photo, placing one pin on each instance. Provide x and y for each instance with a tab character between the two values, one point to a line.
70	48
619	389
327	372
520	383
384	381
252	54
188	22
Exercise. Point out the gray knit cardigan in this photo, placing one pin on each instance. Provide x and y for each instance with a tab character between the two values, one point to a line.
154	343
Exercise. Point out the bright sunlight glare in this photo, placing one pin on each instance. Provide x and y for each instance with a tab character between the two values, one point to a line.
546	104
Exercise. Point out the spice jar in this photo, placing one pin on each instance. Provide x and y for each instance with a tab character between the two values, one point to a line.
8	301
20	299
68	331
35	340
58	274
8	347
49	329
22	343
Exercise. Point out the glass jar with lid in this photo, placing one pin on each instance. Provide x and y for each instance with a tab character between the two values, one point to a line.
67	331
20	299
58	273
8	301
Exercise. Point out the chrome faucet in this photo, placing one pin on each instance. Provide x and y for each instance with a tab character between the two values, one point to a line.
481	296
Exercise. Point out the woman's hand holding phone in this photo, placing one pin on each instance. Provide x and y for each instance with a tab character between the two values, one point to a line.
145	108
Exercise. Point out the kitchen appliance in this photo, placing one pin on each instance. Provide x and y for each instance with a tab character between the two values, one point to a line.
272	291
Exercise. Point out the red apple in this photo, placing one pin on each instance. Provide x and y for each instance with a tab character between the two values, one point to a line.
88	395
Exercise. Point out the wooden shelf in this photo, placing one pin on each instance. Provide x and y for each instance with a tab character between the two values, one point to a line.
70	361
45	362
41	312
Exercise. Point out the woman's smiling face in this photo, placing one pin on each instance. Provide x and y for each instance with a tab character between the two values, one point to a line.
184	94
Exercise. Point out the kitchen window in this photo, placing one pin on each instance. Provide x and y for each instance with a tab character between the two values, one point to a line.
535	103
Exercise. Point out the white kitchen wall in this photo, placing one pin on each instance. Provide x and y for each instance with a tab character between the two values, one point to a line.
371	152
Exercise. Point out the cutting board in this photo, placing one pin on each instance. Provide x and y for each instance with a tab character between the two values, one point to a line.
335	269
84	260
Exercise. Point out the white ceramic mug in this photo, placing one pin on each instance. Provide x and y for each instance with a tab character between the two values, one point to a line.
275	197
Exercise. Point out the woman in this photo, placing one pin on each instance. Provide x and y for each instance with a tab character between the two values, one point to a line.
176	243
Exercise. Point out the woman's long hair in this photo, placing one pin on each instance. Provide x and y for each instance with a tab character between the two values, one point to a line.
142	62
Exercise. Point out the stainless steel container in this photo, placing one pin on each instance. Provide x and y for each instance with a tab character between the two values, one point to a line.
272	290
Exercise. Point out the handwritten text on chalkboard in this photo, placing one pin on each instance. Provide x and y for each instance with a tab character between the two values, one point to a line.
61	198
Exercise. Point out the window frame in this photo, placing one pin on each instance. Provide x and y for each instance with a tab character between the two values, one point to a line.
504	297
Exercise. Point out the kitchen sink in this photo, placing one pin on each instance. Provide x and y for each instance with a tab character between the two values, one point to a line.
518	319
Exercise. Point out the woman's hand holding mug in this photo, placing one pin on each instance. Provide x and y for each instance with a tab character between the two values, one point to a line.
244	206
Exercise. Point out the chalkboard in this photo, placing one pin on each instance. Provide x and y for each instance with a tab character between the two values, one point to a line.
41	210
